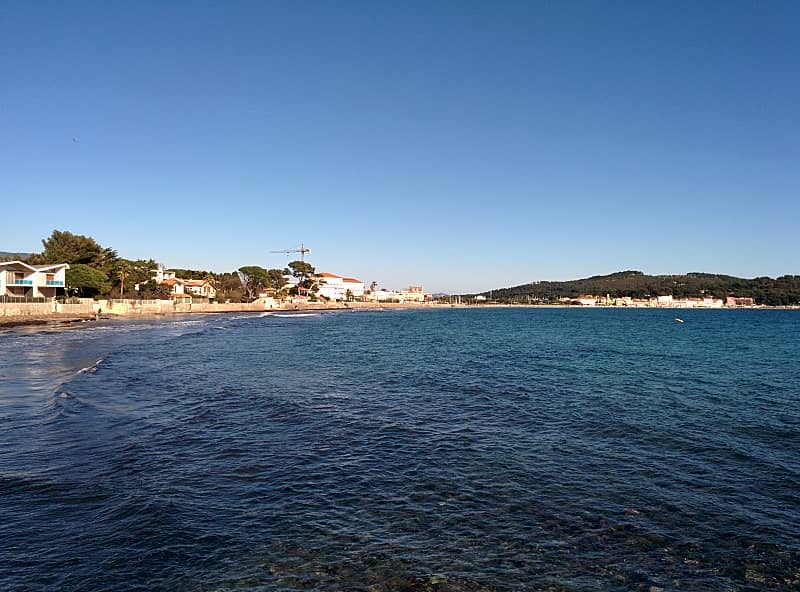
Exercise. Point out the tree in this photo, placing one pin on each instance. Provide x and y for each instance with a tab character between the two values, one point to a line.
87	281
373	286
276	279
151	289
229	286
254	279
192	274
301	269
141	271
304	271
121	269
64	247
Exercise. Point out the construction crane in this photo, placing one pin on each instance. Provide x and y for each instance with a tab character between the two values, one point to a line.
302	250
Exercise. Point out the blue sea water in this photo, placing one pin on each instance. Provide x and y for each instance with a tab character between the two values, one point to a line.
477	449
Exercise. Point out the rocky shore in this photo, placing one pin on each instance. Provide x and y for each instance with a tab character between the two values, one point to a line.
48	319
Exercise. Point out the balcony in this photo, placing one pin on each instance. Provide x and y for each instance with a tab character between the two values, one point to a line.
54	283
22	282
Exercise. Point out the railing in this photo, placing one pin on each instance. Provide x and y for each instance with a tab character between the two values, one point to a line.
69	300
64	299
132	302
54	283
23	299
22	282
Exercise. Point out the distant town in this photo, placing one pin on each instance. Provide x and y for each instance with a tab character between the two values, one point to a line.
652	302
638	290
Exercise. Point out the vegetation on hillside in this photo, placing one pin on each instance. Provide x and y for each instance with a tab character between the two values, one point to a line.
8	256
782	291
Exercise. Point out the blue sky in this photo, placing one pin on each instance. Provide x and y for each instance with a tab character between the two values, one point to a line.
462	145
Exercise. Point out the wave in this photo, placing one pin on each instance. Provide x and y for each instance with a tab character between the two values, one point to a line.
297	314
91	369
64	403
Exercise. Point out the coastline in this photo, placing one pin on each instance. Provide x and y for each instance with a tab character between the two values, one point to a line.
64	319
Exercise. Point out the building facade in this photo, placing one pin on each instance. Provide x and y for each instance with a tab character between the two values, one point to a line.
336	287
21	280
180	287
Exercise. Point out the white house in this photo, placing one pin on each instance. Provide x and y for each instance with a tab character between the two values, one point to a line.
202	288
664	300
354	286
21	280
412	294
710	302
331	286
182	287
161	275
336	287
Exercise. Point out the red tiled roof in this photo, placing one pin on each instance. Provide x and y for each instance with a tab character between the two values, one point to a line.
352	280
329	275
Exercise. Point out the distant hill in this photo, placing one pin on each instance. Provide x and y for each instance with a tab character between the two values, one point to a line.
11	256
784	290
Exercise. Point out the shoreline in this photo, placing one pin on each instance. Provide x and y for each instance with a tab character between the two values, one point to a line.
65	319
56	319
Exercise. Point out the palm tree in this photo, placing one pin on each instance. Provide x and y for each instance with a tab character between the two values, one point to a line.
123	270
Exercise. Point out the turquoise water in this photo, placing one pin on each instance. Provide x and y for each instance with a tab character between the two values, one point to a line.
481	449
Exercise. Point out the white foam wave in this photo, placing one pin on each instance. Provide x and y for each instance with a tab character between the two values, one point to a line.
91	368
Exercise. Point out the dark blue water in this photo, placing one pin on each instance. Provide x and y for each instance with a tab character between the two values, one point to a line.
512	449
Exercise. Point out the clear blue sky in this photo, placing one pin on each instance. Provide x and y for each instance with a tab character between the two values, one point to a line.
461	145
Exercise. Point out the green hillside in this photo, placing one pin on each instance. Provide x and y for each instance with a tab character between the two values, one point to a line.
11	256
784	290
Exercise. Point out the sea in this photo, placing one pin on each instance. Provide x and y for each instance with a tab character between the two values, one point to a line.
477	449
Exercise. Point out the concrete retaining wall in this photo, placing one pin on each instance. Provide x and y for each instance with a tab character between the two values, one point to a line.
24	309
135	307
79	309
140	307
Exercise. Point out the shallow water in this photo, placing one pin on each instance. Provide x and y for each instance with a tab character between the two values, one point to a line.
510	449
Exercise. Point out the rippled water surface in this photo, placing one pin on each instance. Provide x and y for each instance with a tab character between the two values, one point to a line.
510	449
